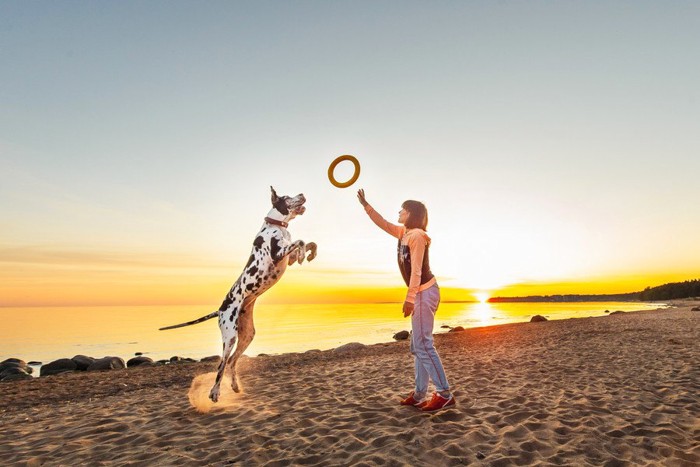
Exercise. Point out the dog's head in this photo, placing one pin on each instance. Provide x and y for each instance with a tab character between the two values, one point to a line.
288	206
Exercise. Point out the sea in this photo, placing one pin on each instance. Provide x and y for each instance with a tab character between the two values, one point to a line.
44	334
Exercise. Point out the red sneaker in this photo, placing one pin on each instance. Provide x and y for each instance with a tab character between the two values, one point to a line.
438	402
410	400
420	405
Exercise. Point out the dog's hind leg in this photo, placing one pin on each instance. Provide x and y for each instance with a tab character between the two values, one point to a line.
246	333
216	389
228	324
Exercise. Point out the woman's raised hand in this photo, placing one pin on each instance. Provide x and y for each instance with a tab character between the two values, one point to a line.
361	197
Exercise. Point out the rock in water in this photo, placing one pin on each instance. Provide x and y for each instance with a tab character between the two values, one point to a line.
538	319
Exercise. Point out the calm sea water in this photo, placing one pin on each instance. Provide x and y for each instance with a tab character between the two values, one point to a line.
46	334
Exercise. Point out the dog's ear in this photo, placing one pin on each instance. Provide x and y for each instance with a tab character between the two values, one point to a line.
274	195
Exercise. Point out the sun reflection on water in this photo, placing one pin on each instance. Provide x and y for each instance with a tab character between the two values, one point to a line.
483	313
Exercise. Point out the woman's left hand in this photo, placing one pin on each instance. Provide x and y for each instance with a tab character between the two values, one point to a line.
407	309
361	197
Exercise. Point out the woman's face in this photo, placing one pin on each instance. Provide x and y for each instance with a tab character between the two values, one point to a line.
403	216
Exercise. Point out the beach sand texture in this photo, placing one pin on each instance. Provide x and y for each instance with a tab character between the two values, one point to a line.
613	390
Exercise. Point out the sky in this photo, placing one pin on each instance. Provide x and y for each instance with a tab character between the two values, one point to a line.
555	144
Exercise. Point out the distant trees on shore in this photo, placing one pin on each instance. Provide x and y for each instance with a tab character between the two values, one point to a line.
673	290
669	291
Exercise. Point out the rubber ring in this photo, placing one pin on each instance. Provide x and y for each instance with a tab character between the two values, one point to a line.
335	163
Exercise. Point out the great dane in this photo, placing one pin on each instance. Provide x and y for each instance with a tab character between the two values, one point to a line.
273	250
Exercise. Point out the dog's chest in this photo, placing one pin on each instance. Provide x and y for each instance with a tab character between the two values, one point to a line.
263	271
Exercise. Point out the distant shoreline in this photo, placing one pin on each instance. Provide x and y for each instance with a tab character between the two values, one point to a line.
671	291
567	299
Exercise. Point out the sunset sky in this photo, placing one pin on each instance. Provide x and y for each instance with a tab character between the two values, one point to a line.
555	144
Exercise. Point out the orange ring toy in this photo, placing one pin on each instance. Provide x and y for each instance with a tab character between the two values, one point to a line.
335	163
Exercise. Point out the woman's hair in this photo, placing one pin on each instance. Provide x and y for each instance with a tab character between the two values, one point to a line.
417	215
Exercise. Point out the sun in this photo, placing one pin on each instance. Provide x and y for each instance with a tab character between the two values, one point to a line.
482	297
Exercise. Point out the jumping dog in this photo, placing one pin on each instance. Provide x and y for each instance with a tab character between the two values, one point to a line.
273	250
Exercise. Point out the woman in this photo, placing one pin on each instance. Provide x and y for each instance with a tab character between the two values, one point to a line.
421	302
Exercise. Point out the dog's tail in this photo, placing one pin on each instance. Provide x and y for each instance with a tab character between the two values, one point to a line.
189	323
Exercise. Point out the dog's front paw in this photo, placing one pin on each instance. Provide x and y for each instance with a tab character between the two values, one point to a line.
301	251
311	248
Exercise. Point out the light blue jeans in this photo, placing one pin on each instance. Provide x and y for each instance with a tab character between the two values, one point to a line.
427	361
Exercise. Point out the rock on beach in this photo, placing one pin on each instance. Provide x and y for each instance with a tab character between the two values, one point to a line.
14	369
83	362
140	360
61	365
107	363
351	347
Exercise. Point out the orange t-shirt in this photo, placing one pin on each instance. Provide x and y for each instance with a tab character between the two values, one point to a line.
412	254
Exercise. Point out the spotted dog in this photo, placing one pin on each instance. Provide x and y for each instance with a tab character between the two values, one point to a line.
273	250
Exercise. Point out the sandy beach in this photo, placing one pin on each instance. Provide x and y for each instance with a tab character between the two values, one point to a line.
614	390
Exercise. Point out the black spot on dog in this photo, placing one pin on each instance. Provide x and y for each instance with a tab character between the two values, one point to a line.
250	286
250	261
275	248
226	303
253	270
258	242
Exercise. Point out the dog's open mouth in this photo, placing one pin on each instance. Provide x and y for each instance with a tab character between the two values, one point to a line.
299	208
